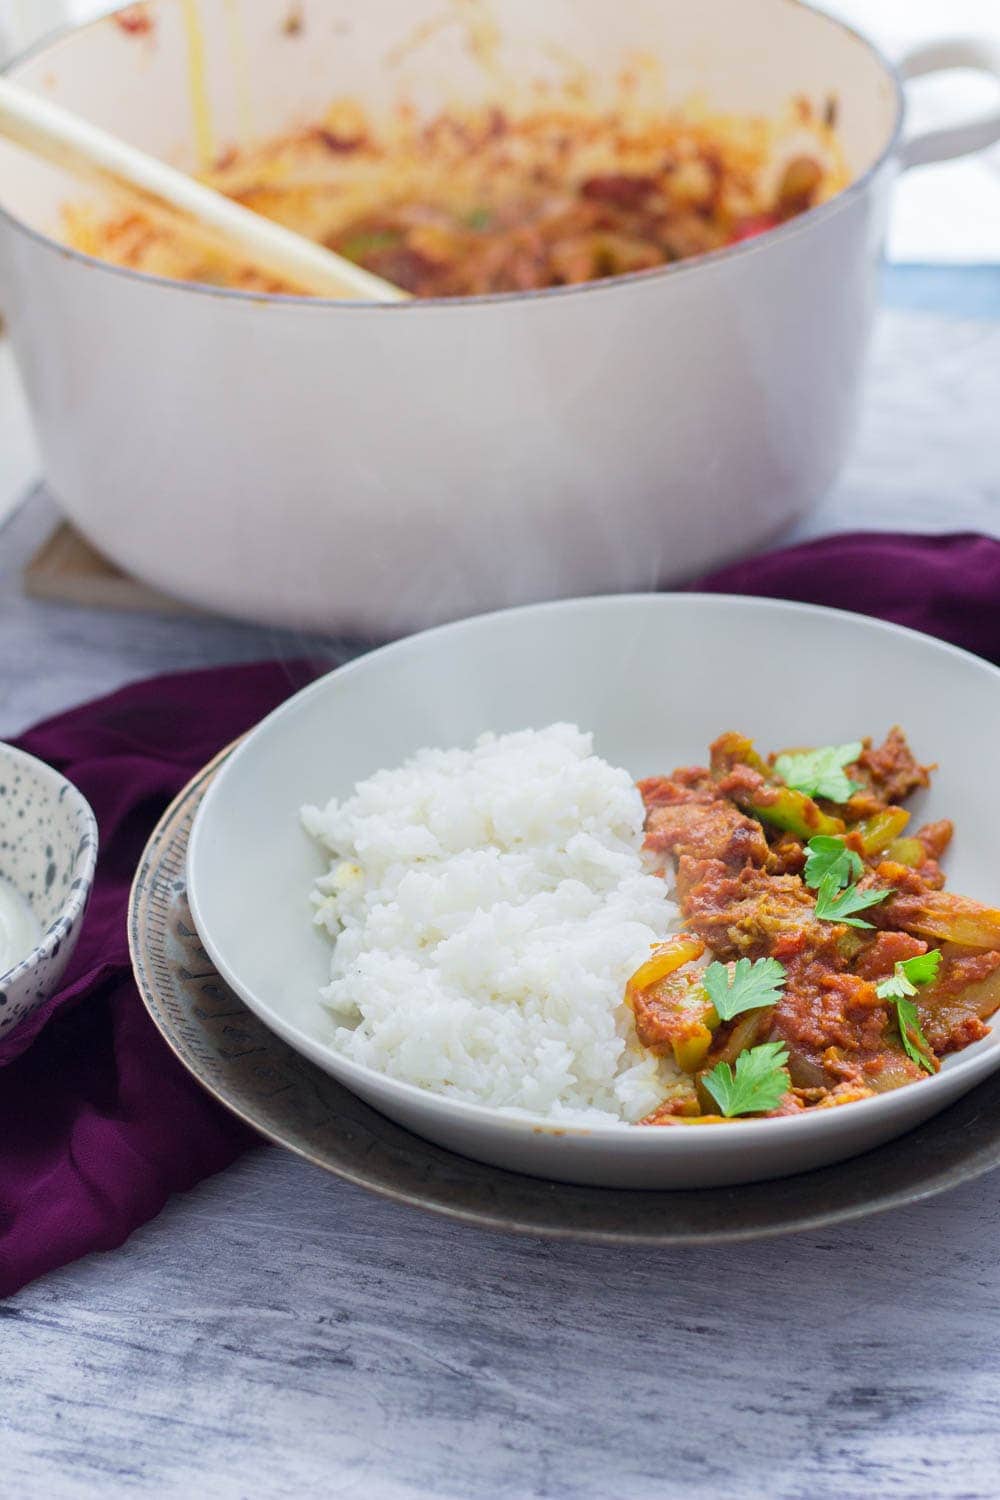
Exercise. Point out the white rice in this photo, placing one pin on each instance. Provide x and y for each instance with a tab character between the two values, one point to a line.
488	906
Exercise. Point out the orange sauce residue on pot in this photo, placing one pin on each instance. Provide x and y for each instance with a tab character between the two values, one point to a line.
201	110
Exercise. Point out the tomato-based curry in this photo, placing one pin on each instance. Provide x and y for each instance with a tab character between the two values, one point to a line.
840	967
492	200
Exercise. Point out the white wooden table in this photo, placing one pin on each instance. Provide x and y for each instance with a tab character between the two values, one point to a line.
278	1333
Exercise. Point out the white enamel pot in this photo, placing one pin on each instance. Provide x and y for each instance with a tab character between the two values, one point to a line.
348	466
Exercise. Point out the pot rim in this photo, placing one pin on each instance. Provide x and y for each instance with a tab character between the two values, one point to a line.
813	217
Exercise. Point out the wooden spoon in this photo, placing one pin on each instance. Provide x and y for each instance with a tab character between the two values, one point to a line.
73	143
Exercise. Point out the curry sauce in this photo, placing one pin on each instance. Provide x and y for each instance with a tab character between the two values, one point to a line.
840	967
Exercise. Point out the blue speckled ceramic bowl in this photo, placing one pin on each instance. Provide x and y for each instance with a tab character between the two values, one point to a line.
48	852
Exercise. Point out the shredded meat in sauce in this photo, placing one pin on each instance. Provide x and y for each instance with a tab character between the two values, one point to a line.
736	839
459	206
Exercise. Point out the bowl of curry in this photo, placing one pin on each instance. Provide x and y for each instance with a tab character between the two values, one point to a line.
817	988
839	966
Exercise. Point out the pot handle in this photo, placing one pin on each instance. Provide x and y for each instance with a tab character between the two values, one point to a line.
951	140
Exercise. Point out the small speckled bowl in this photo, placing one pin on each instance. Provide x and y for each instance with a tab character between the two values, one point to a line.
48	852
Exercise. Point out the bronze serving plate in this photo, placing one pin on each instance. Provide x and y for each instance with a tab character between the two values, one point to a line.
295	1104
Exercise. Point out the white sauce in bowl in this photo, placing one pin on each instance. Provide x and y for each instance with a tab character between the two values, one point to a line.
20	929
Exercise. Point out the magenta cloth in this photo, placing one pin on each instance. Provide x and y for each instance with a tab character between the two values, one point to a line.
99	1122
948	586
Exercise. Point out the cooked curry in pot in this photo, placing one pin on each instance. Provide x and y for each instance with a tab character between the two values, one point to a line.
839	967
498	200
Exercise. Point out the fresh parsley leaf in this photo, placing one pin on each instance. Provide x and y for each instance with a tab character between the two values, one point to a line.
896	987
831	857
820	773
916	1044
901	984
922	968
751	986
369	242
831	907
907	974
757	1084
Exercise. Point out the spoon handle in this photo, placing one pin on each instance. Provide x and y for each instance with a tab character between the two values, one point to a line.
75	144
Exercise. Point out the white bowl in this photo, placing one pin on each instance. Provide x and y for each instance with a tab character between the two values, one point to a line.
656	678
48	853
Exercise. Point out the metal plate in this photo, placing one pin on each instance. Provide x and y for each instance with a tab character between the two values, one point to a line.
295	1104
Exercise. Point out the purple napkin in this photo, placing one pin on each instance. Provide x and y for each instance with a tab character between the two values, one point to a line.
948	586
99	1122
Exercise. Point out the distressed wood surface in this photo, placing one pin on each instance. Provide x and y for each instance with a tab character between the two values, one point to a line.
278	1333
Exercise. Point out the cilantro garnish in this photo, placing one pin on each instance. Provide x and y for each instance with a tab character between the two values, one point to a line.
369	242
900	985
830	857
831	907
916	1044
751	986
820	773
756	1086
908	974
922	968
